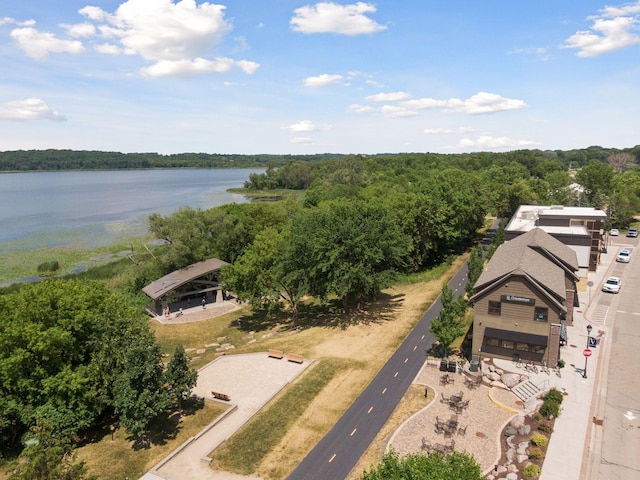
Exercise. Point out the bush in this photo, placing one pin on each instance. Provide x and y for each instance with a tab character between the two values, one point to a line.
550	409
531	470
545	427
554	395
539	440
536	454
561	363
48	268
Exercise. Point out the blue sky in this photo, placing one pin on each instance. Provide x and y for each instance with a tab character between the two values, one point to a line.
284	76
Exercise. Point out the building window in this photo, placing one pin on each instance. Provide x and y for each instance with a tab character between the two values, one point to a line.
541	314
493	342
494	307
523	347
507	344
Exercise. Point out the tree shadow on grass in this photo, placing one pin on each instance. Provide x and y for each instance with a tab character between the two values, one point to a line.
330	313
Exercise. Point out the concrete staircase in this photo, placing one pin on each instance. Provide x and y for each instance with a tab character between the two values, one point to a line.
526	390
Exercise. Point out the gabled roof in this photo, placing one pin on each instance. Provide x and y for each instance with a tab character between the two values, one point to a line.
536	254
178	278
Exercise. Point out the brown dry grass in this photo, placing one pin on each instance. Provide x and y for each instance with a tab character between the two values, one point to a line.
118	458
371	343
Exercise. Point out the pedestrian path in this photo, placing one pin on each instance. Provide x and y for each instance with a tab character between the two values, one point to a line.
250	380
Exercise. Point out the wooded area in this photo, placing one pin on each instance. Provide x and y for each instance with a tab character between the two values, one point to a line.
74	354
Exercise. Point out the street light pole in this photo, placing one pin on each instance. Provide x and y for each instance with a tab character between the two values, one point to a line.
584	374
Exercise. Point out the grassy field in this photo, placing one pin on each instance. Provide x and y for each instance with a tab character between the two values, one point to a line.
15	263
348	349
348	354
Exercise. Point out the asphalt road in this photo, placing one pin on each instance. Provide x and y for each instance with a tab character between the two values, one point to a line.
615	445
341	448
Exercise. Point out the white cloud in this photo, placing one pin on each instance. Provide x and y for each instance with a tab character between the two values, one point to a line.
329	17
175	37
29	109
39	44
360	108
84	29
389	97
487	141
395	111
302	140
424	103
611	30
480	103
301	126
322	80
188	67
94	13
108	49
447	131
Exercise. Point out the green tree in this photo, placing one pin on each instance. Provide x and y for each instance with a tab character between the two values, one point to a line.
448	325
476	265
269	273
349	248
417	466
624	200
47	458
179	378
138	394
595	179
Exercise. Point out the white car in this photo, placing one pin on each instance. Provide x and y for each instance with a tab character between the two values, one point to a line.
632	232
624	256
612	285
614	232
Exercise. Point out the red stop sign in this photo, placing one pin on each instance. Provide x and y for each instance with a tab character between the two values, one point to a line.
587	352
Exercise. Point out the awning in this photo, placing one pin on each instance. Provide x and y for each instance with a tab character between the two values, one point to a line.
563	332
520	337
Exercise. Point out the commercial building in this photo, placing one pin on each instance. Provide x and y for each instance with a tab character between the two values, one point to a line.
524	299
580	228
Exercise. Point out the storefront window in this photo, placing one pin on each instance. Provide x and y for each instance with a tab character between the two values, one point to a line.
507	344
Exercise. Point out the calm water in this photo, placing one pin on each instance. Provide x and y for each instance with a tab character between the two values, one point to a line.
85	209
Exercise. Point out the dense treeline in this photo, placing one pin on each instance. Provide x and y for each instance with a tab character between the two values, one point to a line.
26	160
52	160
364	220
74	353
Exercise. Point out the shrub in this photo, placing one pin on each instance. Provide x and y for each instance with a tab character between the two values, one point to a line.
561	363
554	395
550	409
48	268
539	440
537	417
531	470
536	454
545	427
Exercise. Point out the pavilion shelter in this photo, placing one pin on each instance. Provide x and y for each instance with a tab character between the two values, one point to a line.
186	287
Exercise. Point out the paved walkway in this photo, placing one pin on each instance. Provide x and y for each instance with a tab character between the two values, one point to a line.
251	380
489	409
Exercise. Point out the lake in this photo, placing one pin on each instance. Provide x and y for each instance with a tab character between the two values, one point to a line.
85	209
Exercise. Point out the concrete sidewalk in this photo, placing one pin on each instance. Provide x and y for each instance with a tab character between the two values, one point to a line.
568	443
570	439
251	380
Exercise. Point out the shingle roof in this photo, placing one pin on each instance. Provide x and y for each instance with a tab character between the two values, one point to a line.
178	278
538	255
